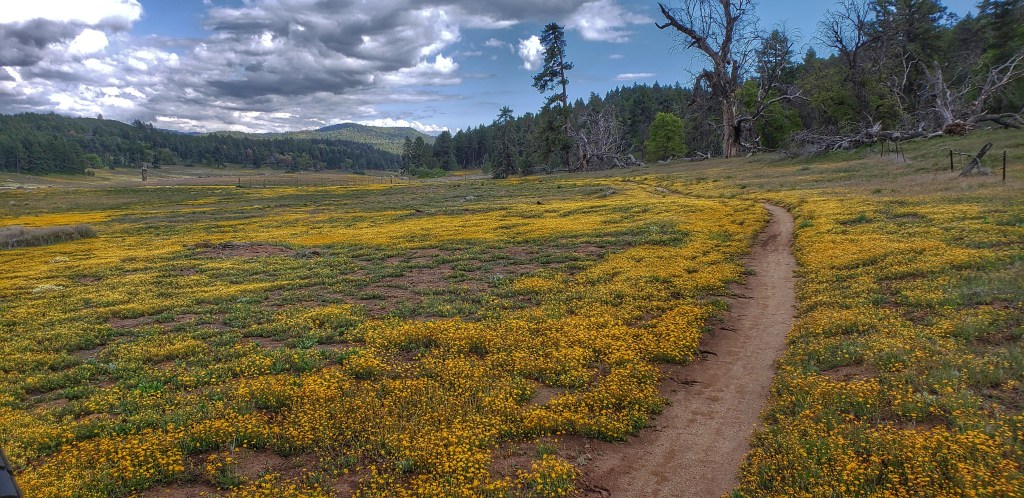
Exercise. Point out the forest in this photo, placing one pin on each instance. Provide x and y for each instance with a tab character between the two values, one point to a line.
48	143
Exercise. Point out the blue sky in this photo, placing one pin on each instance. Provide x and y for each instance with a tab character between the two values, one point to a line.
275	65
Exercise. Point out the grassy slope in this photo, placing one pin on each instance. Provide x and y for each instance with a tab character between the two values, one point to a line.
384	138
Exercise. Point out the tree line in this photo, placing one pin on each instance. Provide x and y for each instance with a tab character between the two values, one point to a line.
49	143
895	69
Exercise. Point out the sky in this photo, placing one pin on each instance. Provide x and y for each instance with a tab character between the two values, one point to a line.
282	65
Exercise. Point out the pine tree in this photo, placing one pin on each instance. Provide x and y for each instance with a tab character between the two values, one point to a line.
505	160
552	75
552	78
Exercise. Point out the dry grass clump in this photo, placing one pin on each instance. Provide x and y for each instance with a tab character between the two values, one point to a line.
19	236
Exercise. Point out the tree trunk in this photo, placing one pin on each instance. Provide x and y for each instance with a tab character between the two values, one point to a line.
731	132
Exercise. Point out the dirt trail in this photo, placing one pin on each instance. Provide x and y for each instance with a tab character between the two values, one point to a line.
698	443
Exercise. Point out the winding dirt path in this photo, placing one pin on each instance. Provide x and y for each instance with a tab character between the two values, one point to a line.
698	443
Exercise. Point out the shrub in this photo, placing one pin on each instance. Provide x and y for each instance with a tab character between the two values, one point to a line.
666	138
19	236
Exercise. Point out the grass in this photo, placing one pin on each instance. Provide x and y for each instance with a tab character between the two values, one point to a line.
392	338
210	318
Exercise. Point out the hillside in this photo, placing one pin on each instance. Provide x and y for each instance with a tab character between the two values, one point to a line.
50	143
384	138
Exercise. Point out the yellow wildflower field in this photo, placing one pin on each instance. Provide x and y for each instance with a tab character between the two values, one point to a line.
378	340
904	375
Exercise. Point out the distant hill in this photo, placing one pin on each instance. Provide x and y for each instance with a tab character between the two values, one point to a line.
50	143
384	138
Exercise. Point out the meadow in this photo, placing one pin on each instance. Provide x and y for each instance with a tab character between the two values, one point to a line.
446	339
905	369
426	340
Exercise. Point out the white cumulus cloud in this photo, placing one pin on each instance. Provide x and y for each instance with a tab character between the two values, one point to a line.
604	20
88	42
532	53
91	12
393	123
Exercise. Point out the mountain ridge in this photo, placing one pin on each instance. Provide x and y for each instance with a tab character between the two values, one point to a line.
386	138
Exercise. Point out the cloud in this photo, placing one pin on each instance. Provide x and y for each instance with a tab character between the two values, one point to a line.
266	65
392	123
532	53
89	13
438	72
28	43
616	56
634	76
88	42
496	43
604	20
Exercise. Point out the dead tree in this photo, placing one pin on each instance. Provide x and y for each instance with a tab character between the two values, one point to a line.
957	112
813	143
598	142
722	30
725	31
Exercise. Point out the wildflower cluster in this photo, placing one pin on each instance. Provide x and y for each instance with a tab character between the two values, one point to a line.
905	362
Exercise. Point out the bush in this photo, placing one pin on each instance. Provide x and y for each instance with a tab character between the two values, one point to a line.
19	236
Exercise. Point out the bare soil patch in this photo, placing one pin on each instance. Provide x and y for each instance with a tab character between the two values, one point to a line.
87	354
55	404
695	447
544	394
851	373
252	464
242	250
180	491
1010	399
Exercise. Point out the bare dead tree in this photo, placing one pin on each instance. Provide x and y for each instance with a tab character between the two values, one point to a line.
957	112
847	31
725	32
598	142
817	142
721	30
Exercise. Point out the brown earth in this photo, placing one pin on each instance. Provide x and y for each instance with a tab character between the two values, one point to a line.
697	444
244	250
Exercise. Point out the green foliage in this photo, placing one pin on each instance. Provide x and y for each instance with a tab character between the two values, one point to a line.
444	151
666	138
